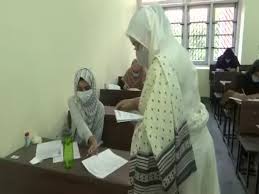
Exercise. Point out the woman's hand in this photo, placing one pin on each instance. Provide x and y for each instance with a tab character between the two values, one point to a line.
128	104
240	96
93	146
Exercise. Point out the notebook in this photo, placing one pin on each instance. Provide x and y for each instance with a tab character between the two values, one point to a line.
104	163
122	116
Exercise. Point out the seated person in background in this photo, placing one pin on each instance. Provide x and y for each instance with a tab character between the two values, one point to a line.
134	77
228	61
87	112
246	86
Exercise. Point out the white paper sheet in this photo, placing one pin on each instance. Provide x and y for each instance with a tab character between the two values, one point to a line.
75	152
35	160
49	150
104	163
236	99
253	100
122	116
15	157
112	87
240	100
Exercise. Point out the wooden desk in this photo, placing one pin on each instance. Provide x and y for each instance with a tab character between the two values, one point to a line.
112	97
20	177
116	135
245	117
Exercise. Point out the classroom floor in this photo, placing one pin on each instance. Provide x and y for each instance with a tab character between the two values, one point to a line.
229	183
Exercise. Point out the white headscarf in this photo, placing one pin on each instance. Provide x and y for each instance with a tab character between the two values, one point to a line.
88	110
150	27
161	151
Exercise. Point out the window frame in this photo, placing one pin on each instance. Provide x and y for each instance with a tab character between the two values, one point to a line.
211	4
235	23
207	39
182	23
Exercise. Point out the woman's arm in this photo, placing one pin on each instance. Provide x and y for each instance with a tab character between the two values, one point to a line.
82	128
98	123
128	104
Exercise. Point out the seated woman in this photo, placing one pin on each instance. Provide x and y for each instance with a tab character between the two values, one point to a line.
228	61
134	77
246	86
86	110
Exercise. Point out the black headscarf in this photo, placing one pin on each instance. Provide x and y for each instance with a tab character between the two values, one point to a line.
229	55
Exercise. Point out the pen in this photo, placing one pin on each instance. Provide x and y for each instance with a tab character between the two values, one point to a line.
98	145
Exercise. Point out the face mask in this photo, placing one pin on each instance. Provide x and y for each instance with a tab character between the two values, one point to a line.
227	60
255	78
85	95
135	74
142	56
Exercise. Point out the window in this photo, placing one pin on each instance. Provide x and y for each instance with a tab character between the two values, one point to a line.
205	28
224	24
175	17
197	33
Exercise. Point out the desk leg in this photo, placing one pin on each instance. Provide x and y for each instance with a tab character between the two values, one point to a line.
233	129
257	179
248	168
228	136
224	127
238	157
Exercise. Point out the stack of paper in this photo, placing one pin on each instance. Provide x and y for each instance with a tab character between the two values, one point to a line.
49	150
53	149
112	87
240	100
134	89
122	116
254	100
104	163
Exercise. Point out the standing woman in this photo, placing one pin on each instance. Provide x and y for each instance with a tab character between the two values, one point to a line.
172	150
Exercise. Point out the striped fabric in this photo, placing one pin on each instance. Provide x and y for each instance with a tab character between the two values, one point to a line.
174	165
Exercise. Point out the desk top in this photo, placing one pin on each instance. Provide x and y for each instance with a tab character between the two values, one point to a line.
119	177
250	143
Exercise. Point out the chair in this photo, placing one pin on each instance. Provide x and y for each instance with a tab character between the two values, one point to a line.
248	138
120	82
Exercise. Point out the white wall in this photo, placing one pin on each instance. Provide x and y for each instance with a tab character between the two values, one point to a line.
249	45
42	44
